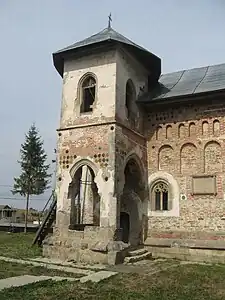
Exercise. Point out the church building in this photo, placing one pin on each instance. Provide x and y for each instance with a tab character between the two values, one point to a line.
140	161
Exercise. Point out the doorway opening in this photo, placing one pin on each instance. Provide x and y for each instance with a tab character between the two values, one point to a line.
125	226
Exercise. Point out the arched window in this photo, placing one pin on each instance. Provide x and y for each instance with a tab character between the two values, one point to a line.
88	91
85	200
160	196
130	98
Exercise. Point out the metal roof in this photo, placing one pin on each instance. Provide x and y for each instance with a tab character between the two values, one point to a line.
105	36
5	207
188	82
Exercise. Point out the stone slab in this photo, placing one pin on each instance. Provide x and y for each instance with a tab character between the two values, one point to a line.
59	278
68	263
28	279
98	276
73	270
132	259
21	280
137	252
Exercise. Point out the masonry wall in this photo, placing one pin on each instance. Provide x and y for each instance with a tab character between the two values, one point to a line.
87	137
103	67
129	68
186	141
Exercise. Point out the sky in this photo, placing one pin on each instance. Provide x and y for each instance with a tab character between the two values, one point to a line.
184	34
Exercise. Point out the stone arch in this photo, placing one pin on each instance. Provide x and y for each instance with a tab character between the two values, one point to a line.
83	195
133	156
188	159
205	128
192	129
79	162
174	194
158	132
168	132
181	131
166	160
132	199
134	174
216	127
87	94
212	157
85	76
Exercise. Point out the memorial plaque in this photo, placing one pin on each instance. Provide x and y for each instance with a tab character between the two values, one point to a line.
204	185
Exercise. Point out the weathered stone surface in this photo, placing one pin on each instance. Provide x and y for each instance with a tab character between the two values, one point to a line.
116	246
48	266
131	259
137	252
100	246
21	280
98	276
115	258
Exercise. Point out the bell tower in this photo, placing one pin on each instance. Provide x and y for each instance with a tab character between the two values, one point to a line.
101	160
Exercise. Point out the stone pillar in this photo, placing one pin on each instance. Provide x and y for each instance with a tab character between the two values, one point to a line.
86	196
63	203
108	204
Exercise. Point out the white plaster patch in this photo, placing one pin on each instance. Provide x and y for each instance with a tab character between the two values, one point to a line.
108	203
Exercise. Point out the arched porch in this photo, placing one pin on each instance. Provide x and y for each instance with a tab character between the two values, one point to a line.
132	202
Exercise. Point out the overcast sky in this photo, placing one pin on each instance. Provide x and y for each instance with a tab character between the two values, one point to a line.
184	34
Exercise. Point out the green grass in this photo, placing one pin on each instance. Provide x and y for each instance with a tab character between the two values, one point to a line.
8	269
18	245
187	282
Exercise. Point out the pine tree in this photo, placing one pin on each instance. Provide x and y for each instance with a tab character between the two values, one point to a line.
34	177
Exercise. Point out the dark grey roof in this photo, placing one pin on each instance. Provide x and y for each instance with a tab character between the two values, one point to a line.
188	82
105	36
5	207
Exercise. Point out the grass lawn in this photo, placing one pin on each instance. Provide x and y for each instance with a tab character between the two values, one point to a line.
18	245
184	282
8	269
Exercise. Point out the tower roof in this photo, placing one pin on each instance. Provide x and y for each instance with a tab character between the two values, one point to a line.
103	37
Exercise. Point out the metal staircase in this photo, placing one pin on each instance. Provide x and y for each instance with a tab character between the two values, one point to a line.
47	222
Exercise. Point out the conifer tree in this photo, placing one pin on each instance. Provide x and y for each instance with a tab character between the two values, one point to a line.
34	177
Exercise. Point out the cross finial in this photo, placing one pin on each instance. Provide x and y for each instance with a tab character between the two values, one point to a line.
110	20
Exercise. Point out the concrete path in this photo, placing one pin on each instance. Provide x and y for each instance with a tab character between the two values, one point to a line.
73	270
28	279
68	263
98	276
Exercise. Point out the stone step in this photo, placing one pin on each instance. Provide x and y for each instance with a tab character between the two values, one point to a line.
132	259
137	252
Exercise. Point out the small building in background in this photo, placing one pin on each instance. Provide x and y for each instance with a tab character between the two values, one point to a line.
7	214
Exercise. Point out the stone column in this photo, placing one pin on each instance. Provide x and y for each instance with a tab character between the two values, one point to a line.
86	196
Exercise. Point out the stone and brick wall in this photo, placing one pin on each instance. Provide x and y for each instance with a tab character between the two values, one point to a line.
189	141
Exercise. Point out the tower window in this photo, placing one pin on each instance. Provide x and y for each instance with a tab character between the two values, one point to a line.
88	90
130	97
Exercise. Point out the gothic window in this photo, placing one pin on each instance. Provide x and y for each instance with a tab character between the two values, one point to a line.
160	197
88	94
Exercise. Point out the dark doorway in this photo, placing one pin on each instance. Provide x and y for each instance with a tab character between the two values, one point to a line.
125	226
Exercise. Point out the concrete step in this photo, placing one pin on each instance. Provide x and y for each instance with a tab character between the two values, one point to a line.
137	252
132	259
